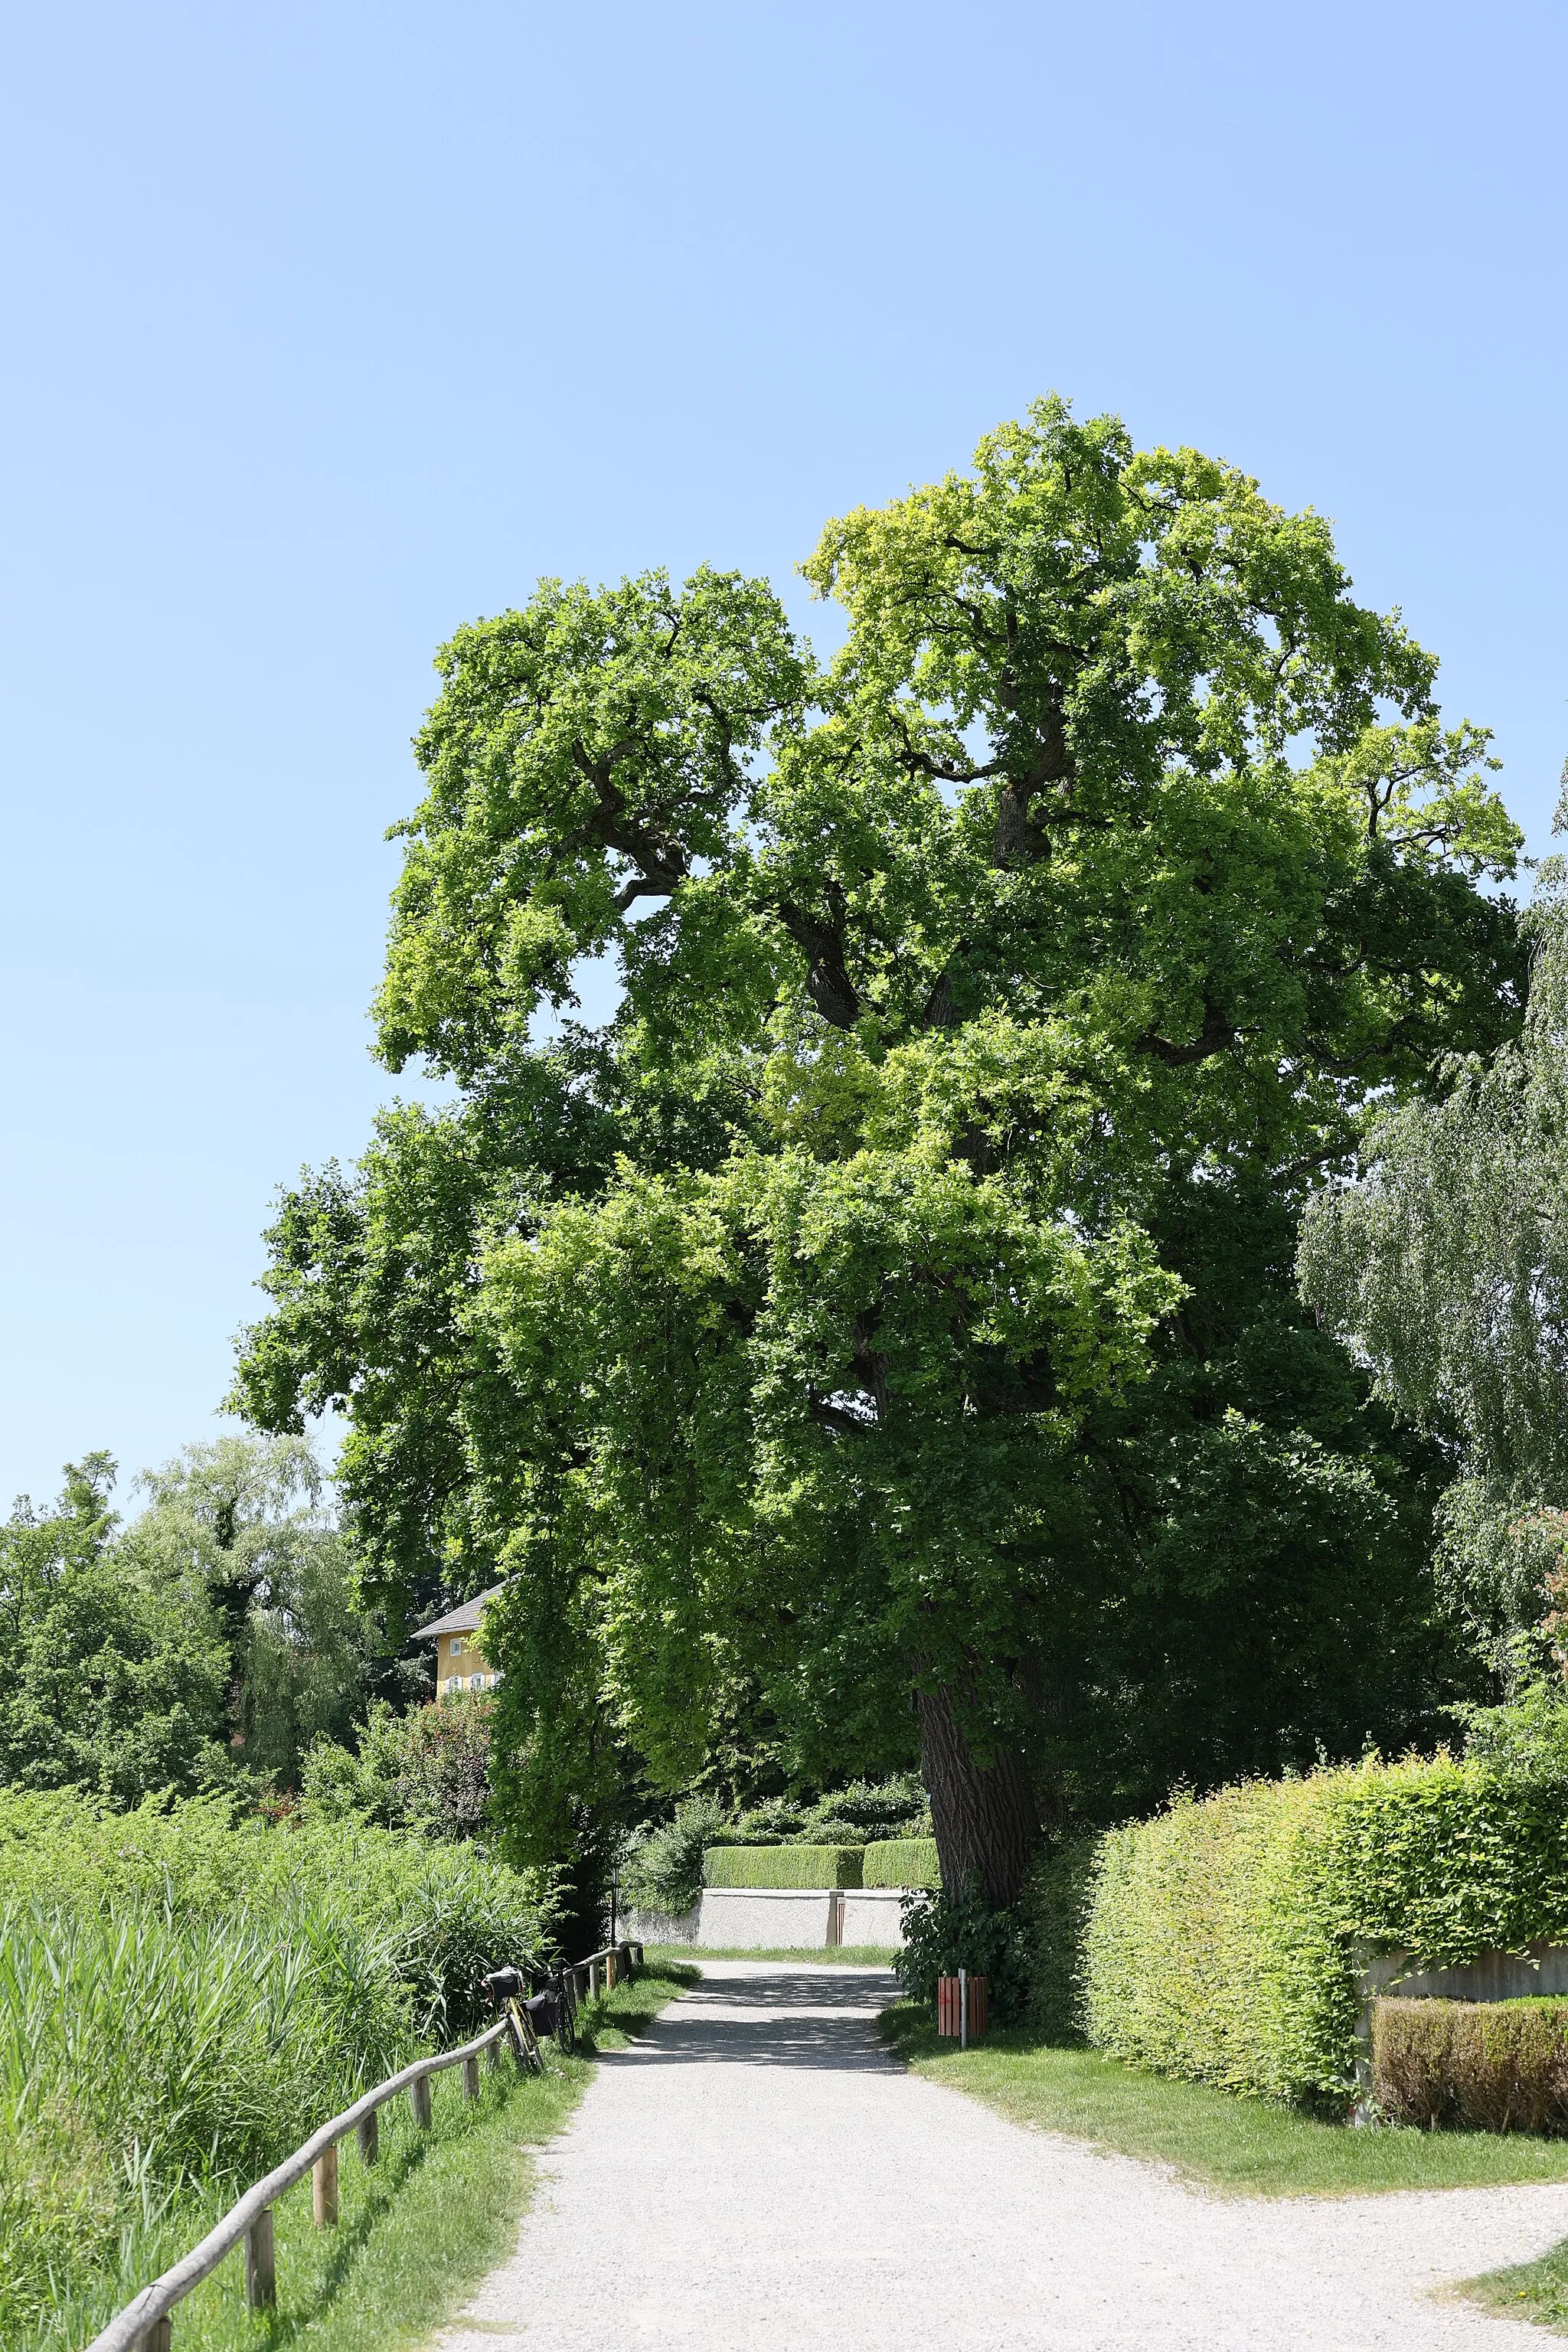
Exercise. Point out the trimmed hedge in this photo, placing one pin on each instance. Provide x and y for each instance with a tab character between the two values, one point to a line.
808	1866
1500	2065
902	1862
1221	1936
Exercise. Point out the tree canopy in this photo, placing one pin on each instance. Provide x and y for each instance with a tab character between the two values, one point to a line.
207	1642
1445	1263
881	1329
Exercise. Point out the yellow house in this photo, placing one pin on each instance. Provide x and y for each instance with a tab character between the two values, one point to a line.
460	1662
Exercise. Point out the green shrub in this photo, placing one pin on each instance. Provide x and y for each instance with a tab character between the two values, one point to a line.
854	1815
427	1769
663	1869
782	1865
1221	1941
944	1933
902	1862
1474	2066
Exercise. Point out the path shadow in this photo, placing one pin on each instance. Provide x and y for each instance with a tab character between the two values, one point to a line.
718	2024
860	1990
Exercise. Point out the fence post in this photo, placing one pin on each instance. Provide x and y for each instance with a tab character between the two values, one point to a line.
324	2188
260	2277
593	1979
156	2338
471	2078
370	2136
419	2098
493	2055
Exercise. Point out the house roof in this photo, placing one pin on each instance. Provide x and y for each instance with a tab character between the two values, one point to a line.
464	1619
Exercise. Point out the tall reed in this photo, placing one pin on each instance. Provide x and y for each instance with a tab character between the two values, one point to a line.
185	1997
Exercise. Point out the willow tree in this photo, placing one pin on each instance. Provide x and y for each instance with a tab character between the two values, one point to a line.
1446	1260
884	1321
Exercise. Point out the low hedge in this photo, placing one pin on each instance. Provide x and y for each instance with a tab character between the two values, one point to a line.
1496	2066
902	1862
809	1866
1221	1938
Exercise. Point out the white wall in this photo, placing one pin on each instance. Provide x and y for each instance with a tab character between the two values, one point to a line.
871	1916
752	1918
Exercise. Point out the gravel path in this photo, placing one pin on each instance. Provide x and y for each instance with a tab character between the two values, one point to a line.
755	2176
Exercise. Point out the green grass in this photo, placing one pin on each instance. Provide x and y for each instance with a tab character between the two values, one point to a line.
416	2232
1248	2146
845	1956
1535	2291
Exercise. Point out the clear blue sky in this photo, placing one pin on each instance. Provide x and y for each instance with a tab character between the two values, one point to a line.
329	327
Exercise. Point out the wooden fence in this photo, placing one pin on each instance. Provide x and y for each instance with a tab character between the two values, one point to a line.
144	2325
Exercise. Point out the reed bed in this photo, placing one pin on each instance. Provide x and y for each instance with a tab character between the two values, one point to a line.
185	1997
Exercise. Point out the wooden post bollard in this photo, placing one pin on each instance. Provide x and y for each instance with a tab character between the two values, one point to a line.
610	1969
158	2337
593	1979
419	2096
370	2136
324	2188
493	2055
261	2276
471	2078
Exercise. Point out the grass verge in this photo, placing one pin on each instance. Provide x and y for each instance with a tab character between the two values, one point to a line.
416	2232
1247	2147
838	1955
1535	2291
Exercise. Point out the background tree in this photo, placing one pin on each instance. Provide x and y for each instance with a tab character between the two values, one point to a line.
1445	1263
885	1322
112	1668
214	1637
251	1523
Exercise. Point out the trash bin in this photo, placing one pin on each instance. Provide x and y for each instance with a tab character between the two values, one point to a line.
961	2007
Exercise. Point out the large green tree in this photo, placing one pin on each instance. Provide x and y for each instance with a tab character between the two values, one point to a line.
883	1324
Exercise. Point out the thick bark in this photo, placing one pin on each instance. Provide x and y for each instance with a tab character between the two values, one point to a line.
984	1819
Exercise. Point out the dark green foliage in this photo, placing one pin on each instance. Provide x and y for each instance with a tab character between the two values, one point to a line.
944	1933
782	1865
1472	2065
1055	1909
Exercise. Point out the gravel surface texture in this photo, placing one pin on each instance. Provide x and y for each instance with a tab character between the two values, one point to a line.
757	2176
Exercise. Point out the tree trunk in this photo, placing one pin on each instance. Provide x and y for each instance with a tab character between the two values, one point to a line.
984	1820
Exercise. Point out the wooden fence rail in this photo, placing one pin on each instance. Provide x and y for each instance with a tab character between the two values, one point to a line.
144	2325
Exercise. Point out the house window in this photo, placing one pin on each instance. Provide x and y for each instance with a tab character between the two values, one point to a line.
454	1646
476	1682
454	1682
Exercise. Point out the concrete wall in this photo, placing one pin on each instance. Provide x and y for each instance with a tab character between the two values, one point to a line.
752	1918
663	1926
871	1916
1490	1976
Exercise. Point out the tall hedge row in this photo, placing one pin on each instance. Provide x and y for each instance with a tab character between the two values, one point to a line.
902	1862
802	1867
1220	1939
